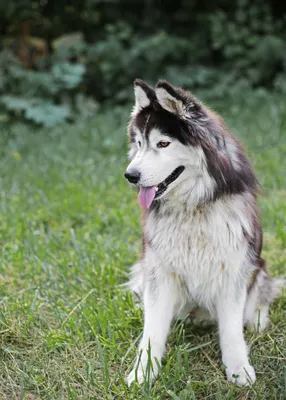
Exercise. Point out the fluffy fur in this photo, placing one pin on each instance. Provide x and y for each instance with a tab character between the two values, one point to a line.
202	237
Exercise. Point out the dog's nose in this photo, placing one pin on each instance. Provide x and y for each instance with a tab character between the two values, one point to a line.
133	176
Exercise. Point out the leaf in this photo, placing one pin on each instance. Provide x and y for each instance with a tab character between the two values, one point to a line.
47	113
41	81
14	103
69	75
69	45
37	110
33	82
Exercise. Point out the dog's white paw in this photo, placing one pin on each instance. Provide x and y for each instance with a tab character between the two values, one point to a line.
142	372
136	375
243	376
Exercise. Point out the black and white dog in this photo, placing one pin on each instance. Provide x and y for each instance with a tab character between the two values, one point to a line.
202	237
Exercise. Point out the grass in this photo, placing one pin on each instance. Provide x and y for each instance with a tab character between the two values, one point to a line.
70	231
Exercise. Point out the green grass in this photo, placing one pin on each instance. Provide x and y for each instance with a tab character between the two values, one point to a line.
69	232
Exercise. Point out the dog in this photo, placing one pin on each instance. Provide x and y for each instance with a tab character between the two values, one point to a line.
202	237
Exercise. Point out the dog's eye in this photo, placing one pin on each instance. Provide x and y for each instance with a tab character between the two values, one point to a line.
139	143
163	144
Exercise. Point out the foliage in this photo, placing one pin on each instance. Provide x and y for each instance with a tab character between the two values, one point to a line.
39	95
57	52
250	43
113	65
70	230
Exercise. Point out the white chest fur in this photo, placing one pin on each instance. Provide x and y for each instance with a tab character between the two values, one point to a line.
203	247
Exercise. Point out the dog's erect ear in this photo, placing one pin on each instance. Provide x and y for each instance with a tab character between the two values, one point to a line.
144	94
171	99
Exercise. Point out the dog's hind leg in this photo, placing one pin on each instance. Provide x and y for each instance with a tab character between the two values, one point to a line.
261	293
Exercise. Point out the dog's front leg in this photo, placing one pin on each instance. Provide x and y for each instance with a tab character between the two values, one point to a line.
230	308
159	299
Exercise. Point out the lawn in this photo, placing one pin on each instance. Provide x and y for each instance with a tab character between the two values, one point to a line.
69	232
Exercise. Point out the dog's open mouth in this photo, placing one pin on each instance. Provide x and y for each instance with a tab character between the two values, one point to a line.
148	194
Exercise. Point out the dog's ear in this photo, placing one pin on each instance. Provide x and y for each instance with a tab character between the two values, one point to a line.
174	100
171	99
144	94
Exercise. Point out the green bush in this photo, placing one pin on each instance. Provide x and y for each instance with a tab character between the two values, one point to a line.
59	61
250	43
46	97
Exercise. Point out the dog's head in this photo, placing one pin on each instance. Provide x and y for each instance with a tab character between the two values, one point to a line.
179	147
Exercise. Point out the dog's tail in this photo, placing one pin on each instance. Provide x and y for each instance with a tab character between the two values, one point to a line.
263	290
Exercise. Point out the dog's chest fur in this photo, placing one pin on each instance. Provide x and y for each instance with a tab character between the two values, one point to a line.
202	247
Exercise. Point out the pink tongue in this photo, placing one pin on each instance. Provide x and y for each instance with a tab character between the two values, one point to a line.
146	196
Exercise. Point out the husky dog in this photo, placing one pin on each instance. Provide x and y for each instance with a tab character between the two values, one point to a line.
202	237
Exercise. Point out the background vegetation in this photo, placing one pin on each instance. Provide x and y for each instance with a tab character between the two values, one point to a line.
69	224
59	59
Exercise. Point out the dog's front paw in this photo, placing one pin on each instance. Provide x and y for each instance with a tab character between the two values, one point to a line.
143	372
136	375
243	376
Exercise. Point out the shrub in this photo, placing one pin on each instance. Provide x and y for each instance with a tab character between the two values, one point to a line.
59	61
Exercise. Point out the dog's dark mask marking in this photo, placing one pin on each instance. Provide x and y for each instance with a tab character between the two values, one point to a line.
199	127
172	126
